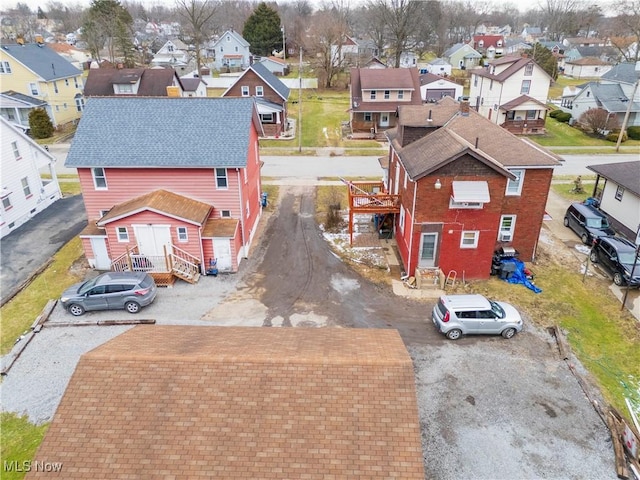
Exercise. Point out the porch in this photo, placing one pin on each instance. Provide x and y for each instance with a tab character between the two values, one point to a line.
369	198
525	127
165	269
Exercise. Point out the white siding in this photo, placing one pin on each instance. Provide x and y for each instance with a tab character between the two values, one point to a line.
33	163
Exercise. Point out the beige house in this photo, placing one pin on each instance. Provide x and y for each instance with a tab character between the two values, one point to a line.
37	71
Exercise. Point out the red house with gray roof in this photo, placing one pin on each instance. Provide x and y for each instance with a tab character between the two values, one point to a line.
465	187
167	186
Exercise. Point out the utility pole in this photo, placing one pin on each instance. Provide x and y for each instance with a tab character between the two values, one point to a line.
628	112
284	45
300	104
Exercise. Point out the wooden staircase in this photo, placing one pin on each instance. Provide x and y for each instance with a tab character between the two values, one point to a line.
175	263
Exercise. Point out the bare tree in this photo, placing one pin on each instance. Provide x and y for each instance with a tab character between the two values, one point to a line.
598	121
327	30
625	30
402	20
197	15
296	17
69	17
560	17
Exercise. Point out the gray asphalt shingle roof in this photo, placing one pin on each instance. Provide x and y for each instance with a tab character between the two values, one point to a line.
612	98
274	82
623	72
625	174
41	60
163	132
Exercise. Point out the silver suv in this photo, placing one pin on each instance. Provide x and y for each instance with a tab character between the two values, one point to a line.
455	315
110	291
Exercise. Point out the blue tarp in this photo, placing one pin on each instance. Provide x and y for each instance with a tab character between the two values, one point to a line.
517	274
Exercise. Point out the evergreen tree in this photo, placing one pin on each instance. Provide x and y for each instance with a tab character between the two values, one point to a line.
545	59
108	23
262	30
40	123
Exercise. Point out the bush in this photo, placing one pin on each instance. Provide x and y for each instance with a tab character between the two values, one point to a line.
633	133
613	137
555	113
563	117
40	123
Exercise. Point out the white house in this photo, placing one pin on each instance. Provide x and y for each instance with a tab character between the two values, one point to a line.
230	52
27	179
511	92
439	66
434	87
586	67
618	190
174	53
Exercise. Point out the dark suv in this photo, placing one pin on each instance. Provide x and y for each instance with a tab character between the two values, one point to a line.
588	222
617	256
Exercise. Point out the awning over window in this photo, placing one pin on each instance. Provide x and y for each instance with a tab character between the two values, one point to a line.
471	192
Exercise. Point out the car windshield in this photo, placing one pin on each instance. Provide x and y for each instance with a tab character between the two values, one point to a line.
597	223
499	311
627	257
86	286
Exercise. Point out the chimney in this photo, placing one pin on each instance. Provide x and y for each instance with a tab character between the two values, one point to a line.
464	107
429	119
173	91
204	71
477	139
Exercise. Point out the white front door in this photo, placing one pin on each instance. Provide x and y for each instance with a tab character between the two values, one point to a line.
152	239
384	119
222	252
428	249
100	254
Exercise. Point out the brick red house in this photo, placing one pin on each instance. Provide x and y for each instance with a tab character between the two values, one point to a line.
167	185
271	97
466	187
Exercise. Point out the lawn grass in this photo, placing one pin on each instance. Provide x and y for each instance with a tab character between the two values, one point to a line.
19	441
555	90
17	315
565	190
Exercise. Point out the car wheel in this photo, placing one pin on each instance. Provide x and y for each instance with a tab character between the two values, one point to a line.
76	310
585	238
566	222
509	332
454	334
132	307
618	280
593	256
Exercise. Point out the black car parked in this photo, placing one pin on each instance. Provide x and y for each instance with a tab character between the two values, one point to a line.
587	221
617	256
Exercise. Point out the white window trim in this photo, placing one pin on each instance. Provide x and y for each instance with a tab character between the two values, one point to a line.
520	183
182	234
244	90
476	236
225	213
16	150
259	91
5	67
465	205
26	188
33	89
401	219
226	179
104	175
507	231
123	236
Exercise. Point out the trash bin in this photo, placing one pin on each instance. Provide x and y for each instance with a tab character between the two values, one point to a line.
263	199
508	268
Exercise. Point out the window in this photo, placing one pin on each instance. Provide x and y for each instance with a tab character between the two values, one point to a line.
55	87
103	213
475	80
259	91
182	234
531	114
401	219
367	116
6	203
469	239
99	178
5	67
225	213
245	90
373	95
491	85
221	178
526	86
79	103
619	193
236	49
247	209
33	88
123	234
124	88
507	228
66	82
75	81
64	105
514	187
400	94
16	151
170	48
528	70
387	94
25	187
267	118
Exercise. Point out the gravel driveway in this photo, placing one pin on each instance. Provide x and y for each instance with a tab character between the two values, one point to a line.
489	408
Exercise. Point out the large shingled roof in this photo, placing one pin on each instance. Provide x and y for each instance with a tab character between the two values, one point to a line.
42	61
241	403
164	132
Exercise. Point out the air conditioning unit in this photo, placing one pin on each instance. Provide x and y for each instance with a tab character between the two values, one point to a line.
505	236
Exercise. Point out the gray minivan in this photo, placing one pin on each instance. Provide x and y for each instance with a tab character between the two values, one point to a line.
588	222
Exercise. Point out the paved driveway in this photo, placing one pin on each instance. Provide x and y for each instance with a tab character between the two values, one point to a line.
30	246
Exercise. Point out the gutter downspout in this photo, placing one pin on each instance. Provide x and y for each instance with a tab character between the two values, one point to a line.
413	211
203	265
244	253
